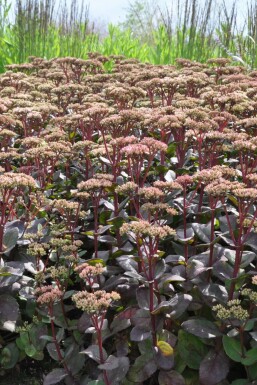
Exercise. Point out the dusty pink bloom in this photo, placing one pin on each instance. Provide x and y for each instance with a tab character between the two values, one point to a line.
87	271
154	145
184	180
94	184
159	207
150	192
167	186
135	150
221	187
127	188
122	142
246	193
48	294
207	176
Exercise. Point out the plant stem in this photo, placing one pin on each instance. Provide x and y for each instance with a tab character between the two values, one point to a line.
57	346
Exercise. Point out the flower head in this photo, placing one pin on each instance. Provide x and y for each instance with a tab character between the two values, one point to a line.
48	294
95	303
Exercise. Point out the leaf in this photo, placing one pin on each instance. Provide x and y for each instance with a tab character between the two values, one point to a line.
143	298
10	239
140	333
74	360
112	362
107	239
201	328
240	381
250	357
175	259
165	348
9	275
232	348
35	334
214	368
84	322
170	378
184	238
9	356
93	352
117	373
30	350
214	291
175	307
122	320
142	369
170	176
195	268
9	312
191	349
55	376
51	348
202	231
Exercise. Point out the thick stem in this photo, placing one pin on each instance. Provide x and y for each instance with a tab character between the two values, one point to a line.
57	346
236	270
1	237
100	345
185	224
96	229
116	214
200	201
211	240
151	294
151	308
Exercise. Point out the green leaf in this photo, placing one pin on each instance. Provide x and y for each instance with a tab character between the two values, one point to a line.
232	348
191	349
252	371
9	356
30	350
250	357
240	381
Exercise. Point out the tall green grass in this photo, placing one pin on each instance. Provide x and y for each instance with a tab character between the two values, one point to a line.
50	28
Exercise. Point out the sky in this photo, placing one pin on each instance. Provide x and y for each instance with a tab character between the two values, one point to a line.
114	11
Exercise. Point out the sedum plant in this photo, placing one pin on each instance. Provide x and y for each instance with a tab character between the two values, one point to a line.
128	221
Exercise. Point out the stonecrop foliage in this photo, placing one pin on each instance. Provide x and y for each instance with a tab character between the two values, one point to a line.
128	216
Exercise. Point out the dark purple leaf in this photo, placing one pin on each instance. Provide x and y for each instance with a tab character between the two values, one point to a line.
171	377
56	375
93	352
214	368
9	312
201	328
143	367
140	333
143	298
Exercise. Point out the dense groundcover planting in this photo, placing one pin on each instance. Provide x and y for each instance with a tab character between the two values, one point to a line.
128	221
